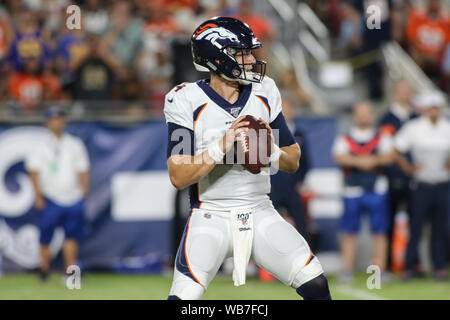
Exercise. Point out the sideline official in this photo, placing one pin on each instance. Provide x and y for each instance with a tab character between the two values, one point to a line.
427	138
59	170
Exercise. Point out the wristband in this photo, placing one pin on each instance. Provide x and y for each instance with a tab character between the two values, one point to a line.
215	152
276	154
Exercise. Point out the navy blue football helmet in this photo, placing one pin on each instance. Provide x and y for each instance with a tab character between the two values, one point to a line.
215	44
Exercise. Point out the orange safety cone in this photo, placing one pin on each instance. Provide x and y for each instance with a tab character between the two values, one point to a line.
265	276
400	241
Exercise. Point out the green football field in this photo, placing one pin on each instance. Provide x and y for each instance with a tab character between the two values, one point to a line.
114	286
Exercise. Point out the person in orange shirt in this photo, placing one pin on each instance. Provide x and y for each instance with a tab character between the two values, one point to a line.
31	87
427	33
5	36
261	26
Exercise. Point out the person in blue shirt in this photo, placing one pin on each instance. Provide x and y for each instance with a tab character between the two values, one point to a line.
29	41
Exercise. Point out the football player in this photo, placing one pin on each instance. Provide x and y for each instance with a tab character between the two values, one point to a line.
231	213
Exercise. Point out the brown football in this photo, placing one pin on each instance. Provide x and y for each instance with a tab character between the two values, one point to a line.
254	152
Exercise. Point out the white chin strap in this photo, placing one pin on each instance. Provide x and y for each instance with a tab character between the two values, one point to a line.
250	75
240	80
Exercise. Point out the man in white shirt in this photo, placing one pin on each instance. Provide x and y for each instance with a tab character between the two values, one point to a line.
59	170
428	140
361	153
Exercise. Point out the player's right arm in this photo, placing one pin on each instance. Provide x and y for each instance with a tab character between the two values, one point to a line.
186	168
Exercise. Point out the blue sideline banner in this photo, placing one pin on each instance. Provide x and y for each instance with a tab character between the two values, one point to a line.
131	204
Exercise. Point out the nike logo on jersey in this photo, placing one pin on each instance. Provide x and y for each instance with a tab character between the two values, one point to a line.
170	100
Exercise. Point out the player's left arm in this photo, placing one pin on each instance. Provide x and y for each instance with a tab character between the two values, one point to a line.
288	149
289	158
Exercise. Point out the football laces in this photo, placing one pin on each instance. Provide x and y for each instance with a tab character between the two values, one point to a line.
244	142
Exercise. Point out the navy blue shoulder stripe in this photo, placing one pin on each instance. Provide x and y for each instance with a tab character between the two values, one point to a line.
180	140
282	132
198	110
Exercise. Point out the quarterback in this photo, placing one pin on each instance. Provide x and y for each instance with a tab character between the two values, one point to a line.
231	212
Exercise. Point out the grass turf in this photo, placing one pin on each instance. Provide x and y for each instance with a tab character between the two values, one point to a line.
155	287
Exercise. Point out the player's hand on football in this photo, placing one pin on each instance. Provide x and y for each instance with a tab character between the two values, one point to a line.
233	133
269	129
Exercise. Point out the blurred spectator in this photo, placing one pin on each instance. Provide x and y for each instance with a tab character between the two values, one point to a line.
361	153
286	187
5	40
72	47
261	26
350	29
374	35
428	33
446	70
53	15
5	33
95	74
400	111
30	41
124	35
427	138
59	171
130	88
288	82
32	86
96	16
157	62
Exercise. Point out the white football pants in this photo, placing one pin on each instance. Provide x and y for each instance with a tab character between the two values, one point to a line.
207	241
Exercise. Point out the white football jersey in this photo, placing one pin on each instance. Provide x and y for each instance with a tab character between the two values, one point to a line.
198	107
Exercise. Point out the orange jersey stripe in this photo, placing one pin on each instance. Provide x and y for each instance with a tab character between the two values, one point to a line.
198	116
265	104
309	259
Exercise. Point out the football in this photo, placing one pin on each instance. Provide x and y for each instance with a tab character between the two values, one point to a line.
254	151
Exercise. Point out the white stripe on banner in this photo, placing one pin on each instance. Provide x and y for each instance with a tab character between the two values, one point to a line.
143	195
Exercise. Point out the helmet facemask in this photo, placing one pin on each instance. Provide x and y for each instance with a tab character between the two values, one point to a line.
255	74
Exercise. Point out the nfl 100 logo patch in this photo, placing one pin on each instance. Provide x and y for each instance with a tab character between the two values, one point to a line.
243	217
235	111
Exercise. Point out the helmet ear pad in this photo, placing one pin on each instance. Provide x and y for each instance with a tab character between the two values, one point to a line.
220	63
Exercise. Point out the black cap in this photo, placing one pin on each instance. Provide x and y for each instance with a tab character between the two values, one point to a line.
54	111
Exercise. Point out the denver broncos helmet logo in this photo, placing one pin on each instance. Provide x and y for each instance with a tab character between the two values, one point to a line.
212	32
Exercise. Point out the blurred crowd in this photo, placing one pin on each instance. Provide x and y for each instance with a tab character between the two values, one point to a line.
421	27
132	52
